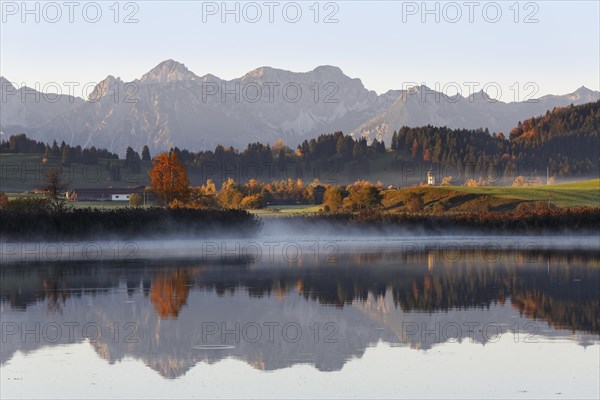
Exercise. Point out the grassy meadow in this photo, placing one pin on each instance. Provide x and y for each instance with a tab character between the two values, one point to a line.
574	194
25	172
495	198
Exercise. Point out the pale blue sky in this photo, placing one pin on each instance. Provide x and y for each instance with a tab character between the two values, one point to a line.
559	53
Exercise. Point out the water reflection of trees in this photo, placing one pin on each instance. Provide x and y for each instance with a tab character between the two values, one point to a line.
52	285
564	291
55	293
169	292
566	295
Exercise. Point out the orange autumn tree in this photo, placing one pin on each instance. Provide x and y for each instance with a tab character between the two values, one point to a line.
169	179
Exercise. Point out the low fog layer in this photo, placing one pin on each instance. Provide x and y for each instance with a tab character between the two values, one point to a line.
282	246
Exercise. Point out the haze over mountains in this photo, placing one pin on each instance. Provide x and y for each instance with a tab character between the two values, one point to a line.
171	106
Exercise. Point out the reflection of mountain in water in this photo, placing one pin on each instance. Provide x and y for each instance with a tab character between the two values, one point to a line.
340	309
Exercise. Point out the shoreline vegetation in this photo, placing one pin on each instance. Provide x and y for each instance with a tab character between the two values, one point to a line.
151	223
574	221
157	223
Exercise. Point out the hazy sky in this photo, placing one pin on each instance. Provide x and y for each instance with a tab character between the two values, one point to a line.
386	44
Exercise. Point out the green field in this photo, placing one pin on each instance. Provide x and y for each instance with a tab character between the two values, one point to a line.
575	194
497	198
274	211
25	172
107	205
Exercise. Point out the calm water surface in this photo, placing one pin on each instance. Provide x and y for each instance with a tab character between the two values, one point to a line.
383	323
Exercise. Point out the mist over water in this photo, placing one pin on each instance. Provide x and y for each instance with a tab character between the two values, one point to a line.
293	240
281	245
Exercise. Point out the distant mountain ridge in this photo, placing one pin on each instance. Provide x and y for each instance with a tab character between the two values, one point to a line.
477	111
24	107
171	106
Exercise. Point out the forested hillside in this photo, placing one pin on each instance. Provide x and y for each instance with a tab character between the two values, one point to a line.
565	141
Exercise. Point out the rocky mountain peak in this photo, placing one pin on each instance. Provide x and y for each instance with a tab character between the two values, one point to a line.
103	87
168	71
5	83
329	71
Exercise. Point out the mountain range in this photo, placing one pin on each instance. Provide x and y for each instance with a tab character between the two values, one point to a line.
171	106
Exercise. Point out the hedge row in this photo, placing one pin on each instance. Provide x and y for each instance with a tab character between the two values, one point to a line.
537	221
125	223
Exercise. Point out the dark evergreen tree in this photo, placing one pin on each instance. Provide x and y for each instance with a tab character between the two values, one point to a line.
146	153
